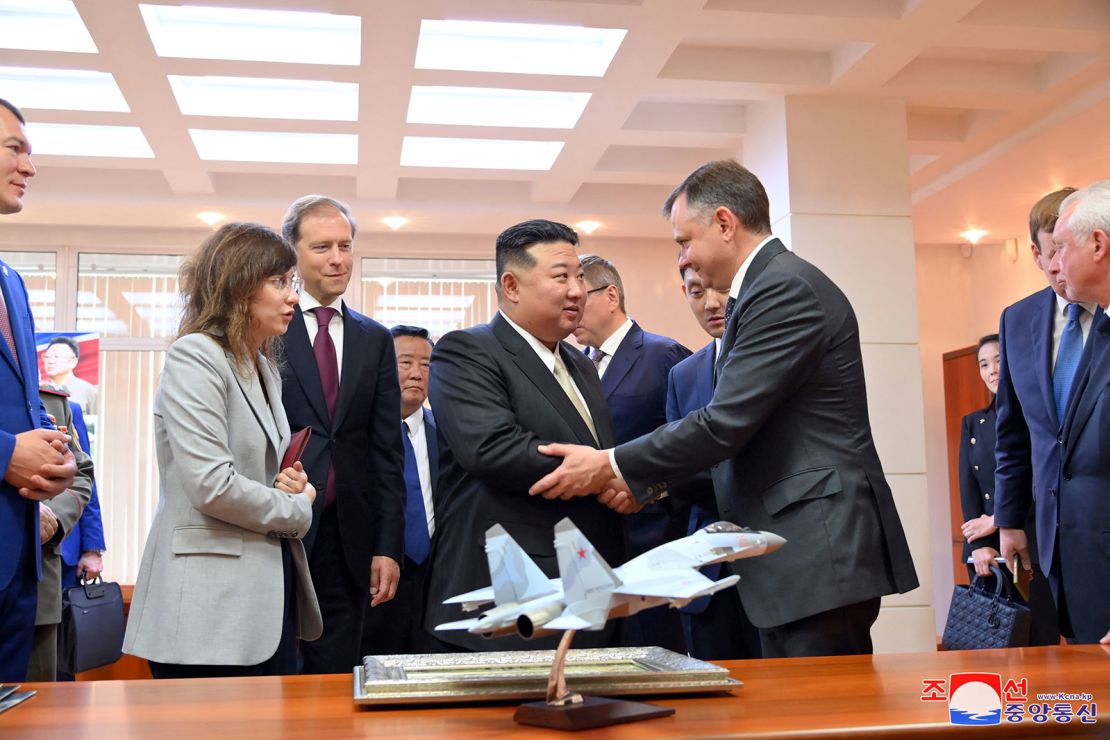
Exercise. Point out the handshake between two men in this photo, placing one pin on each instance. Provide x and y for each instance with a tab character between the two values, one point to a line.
585	471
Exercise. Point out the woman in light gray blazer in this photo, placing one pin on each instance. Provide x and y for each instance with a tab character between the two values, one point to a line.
224	587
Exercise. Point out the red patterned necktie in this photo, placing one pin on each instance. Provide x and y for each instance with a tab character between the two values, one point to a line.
6	327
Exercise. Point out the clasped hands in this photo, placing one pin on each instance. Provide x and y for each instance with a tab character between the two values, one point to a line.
294	480
41	465
584	472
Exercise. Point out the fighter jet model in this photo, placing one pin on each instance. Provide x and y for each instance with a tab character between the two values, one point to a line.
588	592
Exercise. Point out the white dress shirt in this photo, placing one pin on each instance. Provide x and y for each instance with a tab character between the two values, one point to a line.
547	357
610	345
417	431
335	326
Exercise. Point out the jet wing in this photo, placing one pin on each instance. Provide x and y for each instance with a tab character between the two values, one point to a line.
686	583
471	600
567	622
463	624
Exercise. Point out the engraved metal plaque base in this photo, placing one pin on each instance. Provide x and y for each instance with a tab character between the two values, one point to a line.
508	675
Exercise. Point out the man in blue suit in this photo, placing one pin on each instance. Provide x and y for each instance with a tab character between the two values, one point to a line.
1032	394
1081	568
633	365
398	626
715	628
37	464
83	547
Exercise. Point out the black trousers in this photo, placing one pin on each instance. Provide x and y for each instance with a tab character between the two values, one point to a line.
842	631
722	631
282	663
342	603
397	626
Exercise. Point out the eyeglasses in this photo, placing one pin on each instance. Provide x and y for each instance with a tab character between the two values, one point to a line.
594	290
288	283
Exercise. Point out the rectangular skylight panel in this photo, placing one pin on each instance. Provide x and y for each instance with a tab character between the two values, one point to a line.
275	146
253	35
524	48
80	140
62	89
488	106
43	25
490	154
261	97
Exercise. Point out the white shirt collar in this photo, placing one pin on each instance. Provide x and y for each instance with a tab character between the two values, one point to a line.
734	291
546	356
309	302
1062	304
415	421
610	345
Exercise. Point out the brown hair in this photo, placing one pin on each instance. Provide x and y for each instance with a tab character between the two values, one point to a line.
219	281
1045	213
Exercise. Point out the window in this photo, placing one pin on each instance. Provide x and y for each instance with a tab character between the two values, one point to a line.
39	271
439	295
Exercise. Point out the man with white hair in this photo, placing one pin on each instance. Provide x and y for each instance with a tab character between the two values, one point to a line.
1082	569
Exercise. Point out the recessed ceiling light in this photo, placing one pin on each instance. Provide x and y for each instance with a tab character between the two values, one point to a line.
523	48
275	146
490	154
62	89
253	35
973	235
211	217
395	222
588	226
491	106
80	140
262	97
43	25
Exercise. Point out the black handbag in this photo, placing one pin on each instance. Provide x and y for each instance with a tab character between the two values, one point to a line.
91	632
978	619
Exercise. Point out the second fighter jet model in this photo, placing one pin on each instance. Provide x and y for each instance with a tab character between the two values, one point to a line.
588	592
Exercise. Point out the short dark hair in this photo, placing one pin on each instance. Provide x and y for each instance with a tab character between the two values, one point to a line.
407	330
1046	212
729	184
303	206
15	111
513	243
983	341
600	271
74	347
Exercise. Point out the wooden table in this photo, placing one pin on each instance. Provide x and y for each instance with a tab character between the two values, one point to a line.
829	697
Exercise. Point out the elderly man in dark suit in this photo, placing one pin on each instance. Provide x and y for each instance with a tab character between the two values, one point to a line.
633	365
35	461
500	390
787	429
1081	569
340	378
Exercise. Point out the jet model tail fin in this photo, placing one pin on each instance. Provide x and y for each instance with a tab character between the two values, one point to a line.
584	572
514	575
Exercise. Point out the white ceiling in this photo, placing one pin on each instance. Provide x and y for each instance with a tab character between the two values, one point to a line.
1006	100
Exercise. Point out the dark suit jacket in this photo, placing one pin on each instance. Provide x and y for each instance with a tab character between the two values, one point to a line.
496	402
20	411
1027	453
788	424
977	472
363	442
689	388
1084	503
635	382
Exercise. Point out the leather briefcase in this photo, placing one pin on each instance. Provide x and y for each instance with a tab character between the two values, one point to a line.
979	619
91	632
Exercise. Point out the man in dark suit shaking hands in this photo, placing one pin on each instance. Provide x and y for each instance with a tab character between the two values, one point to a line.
500	390
340	378
787	429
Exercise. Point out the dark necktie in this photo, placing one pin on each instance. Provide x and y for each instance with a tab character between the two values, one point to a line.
597	355
1067	359
328	366
417	543
730	304
6	328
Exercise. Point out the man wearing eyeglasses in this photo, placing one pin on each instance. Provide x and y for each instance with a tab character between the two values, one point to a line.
340	378
633	366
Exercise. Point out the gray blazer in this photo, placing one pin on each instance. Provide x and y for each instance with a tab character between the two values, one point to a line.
210	589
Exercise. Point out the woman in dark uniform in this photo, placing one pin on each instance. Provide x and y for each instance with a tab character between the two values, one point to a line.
977	440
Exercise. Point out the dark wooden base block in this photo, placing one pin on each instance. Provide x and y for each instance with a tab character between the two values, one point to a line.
594	711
